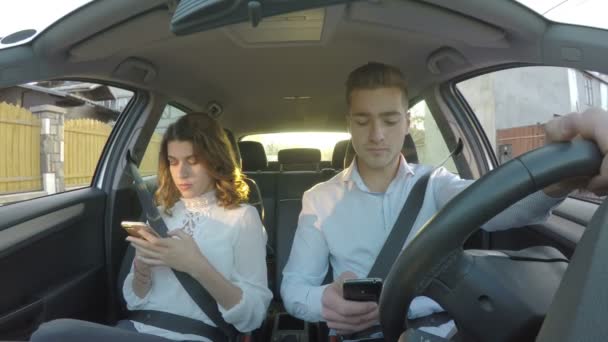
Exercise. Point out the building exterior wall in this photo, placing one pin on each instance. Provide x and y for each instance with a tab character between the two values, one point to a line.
28	98
513	102
527	96
479	93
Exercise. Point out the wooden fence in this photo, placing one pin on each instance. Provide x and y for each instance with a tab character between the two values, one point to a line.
84	140
19	150
149	164
521	139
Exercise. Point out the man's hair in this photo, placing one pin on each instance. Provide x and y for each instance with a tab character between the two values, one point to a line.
374	75
212	148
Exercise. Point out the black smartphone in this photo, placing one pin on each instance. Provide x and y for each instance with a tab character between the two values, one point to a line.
362	290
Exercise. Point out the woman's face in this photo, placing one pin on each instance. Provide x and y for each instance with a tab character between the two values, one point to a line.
189	175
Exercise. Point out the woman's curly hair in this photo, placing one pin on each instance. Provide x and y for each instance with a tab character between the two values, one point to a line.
211	146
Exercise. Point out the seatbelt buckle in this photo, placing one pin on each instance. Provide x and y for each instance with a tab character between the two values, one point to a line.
373	333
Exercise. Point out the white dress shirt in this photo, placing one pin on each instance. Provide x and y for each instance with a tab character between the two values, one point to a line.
346	224
234	242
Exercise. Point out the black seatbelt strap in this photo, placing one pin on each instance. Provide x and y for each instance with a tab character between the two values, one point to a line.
196	291
394	242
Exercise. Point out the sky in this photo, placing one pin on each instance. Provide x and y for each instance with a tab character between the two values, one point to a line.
39	14
33	14
580	12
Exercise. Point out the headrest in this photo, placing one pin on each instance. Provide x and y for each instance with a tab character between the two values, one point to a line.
337	158
300	156
235	147
408	150
253	156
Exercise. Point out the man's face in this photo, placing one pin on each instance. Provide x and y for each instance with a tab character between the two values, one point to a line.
378	123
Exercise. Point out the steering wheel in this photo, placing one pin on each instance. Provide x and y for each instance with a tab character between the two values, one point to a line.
435	264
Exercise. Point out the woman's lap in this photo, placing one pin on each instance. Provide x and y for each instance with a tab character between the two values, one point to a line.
71	330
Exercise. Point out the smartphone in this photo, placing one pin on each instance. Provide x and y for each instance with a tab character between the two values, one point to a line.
133	228
362	290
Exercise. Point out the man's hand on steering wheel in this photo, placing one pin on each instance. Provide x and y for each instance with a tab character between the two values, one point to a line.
591	124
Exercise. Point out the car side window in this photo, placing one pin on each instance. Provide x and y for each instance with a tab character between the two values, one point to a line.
52	134
430	145
513	105
149	164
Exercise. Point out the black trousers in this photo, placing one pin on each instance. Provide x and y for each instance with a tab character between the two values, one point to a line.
72	330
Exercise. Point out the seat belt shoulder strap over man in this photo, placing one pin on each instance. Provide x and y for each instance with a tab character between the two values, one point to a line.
407	217
403	226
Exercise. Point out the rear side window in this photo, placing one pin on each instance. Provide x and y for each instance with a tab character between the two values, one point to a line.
52	134
430	144
149	164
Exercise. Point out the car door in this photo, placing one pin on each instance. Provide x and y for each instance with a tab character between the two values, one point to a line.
54	186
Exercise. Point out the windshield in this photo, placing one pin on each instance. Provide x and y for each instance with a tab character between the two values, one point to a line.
590	13
21	21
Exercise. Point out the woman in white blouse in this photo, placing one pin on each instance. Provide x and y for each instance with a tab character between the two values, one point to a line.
214	237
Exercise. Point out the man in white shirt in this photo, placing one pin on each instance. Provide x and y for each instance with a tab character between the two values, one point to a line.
346	220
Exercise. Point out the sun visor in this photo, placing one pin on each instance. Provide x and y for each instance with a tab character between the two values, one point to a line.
149	27
428	19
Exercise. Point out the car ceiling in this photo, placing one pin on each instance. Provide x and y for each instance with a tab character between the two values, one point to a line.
250	79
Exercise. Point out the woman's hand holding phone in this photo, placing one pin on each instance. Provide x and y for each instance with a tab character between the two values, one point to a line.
142	272
140	231
136	229
179	251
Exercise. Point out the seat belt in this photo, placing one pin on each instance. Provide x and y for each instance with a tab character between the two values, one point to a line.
407	217
401	229
392	247
177	323
197	292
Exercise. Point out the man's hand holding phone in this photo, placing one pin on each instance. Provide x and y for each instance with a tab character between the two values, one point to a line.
343	315
362	290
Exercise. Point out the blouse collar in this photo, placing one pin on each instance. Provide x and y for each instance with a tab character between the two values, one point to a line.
200	203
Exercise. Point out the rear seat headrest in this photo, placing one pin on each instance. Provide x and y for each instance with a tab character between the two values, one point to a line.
337	158
299	156
253	156
408	150
235	146
349	154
